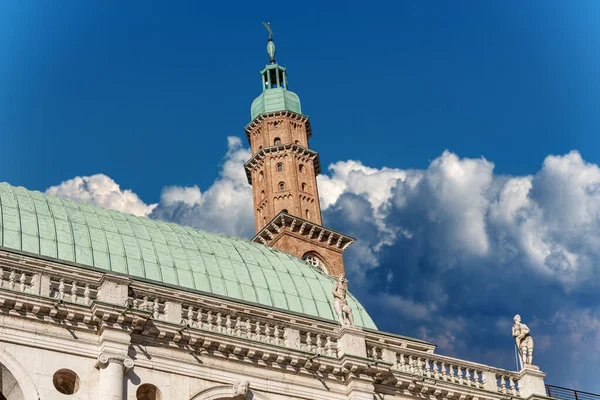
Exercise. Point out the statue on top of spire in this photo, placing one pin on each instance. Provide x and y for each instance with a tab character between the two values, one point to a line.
270	45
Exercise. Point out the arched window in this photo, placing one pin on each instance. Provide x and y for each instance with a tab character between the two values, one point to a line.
279	167
303	187
147	391
301	168
277	141
261	176
281	186
262	194
295	141
284	210
264	220
315	261
307	214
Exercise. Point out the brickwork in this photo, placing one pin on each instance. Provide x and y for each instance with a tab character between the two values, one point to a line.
300	246
285	178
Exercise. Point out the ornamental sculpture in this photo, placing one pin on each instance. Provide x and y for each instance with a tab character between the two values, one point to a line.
340	304
523	340
240	389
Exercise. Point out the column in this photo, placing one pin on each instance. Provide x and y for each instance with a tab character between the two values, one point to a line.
112	376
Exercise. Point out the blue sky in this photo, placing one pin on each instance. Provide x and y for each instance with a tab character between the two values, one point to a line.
153	97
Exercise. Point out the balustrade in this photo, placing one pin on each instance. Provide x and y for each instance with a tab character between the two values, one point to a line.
72	291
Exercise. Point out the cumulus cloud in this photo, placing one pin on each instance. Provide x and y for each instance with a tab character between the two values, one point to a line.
100	190
451	252
225	207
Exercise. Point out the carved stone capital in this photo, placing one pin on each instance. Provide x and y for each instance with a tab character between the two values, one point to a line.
104	359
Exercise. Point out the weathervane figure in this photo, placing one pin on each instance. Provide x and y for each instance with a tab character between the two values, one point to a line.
270	45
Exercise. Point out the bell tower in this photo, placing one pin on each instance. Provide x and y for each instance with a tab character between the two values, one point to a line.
283	173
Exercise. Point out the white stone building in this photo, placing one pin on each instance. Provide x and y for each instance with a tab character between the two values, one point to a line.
101	305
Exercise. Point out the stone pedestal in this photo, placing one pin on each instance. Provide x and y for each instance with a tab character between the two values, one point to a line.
352	341
113	289
531	382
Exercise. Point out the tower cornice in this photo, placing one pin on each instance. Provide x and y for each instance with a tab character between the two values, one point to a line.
289	148
285	223
285	113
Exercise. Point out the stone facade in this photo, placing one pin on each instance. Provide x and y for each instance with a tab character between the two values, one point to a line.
109	337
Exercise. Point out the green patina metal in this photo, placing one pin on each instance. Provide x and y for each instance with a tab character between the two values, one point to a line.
275	95
168	253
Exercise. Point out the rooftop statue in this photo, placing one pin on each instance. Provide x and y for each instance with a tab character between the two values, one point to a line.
340	304
523	340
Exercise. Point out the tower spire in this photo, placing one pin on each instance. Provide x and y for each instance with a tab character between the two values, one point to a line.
270	44
283	173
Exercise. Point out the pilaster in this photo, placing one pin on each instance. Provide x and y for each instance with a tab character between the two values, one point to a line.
114	289
352	342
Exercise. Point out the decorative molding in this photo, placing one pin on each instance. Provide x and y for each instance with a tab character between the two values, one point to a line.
257	160
104	359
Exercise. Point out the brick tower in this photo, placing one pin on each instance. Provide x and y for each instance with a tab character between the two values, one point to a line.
283	173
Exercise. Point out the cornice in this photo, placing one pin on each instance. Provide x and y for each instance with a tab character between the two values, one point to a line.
299	117
294	148
284	223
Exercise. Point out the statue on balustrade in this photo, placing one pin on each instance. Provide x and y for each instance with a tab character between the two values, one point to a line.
340	304
524	341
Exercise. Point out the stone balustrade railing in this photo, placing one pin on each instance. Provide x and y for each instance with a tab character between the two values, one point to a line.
447	369
72	291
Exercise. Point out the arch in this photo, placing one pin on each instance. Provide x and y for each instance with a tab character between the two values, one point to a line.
261	176
224	392
262	194
23	379
279	167
303	187
313	258
281	186
301	168
307	213
277	142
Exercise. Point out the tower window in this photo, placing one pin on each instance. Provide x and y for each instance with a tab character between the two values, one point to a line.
304	187
301	168
261	176
279	167
281	186
277	142
262	194
295	141
307	214
284	210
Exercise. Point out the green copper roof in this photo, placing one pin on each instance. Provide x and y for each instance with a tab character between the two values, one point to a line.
165	252
278	99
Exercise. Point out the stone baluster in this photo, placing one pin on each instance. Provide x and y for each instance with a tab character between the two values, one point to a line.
427	368
459	375
328	346
513	386
238	326
11	280
319	344
309	346
436	372
86	295
190	317
61	286
468	376
248	329
277	336
444	374
420	370
199	319
155	309
22	280
267	336
373	352
228	329
402	363
257	331
219	323
451	373
145	304
209	321
74	292
502	385
411	365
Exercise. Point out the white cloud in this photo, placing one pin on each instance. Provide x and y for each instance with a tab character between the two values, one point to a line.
225	207
100	190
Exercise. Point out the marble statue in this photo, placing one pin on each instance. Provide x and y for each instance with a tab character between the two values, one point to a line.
340	304
240	388
523	340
